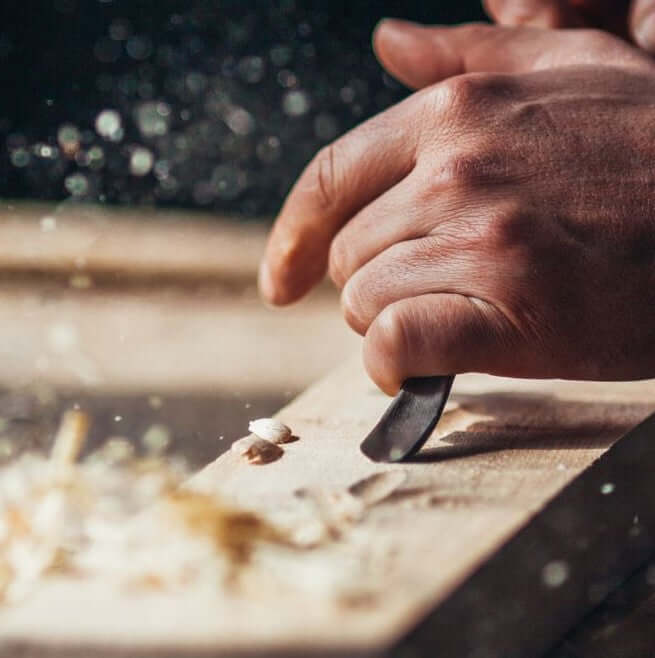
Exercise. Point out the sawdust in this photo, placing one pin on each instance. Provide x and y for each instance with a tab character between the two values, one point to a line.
132	523
117	517
234	532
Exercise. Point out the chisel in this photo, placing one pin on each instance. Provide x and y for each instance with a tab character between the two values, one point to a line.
409	420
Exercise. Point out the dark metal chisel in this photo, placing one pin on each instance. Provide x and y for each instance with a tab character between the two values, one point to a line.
409	420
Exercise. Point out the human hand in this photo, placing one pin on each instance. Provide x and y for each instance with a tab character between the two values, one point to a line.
496	222
632	19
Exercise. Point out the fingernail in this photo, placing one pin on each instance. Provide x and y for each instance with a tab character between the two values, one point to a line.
265	283
645	33
401	26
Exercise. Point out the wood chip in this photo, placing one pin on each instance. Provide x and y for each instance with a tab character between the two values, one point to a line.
271	429
256	450
69	441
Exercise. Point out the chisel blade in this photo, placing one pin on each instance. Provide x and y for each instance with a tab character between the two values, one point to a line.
409	420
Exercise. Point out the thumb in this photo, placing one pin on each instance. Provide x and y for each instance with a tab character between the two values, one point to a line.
439	334
413	53
420	55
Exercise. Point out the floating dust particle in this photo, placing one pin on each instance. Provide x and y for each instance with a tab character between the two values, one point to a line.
80	281
141	161
69	440
257	451
156	439
69	137
232	531
6	447
555	573
155	401
48	223
109	125
77	184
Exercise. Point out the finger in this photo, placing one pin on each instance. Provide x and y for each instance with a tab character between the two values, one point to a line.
441	52
538	13
433	264
398	216
339	181
438	334
410	53
642	24
391	218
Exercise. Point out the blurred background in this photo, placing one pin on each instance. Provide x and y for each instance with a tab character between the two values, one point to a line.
211	104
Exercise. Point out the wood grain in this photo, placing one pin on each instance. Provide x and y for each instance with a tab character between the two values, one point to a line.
491	465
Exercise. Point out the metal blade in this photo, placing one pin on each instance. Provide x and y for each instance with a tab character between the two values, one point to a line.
409	420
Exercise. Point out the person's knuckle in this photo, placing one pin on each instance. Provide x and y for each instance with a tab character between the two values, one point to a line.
468	94
466	168
505	226
460	93
323	176
471	165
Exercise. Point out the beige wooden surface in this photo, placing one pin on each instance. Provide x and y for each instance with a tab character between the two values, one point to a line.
490	466
131	243
171	306
172	309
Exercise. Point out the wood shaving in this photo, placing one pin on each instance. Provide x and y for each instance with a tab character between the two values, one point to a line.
116	517
271	429
131	522
69	441
256	450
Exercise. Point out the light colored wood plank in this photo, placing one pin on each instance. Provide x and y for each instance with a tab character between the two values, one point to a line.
166	339
498	458
130	242
172	305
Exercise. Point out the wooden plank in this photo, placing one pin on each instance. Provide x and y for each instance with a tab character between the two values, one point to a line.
131	243
622	627
167	340
493	463
168	304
